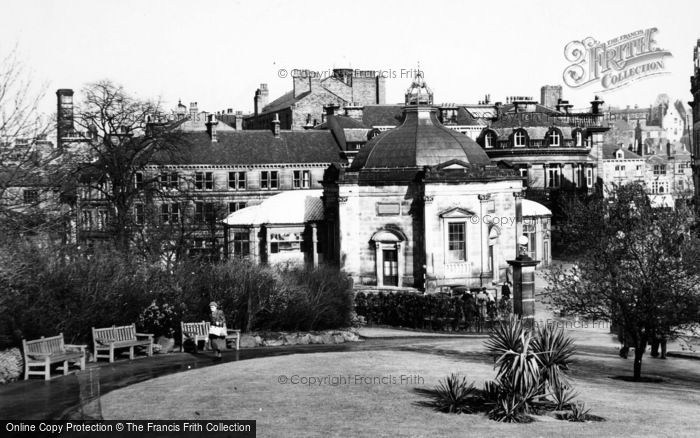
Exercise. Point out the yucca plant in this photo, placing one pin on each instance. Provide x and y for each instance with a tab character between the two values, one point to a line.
553	349
563	397
454	395
579	412
516	360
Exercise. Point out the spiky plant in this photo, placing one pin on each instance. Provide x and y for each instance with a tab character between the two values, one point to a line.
579	412
454	395
553	349
563	396
516	360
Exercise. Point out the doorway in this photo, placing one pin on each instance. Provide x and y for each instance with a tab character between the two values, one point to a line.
391	267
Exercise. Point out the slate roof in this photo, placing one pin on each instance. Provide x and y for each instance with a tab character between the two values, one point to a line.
382	115
420	141
284	101
610	149
253	147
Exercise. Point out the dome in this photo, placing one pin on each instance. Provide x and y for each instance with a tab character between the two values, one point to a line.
421	140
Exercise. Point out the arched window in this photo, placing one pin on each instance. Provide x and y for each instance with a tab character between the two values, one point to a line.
520	138
553	138
578	137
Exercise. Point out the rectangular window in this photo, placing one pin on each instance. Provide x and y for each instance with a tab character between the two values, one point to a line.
87	220
285	242
169	180
659	169
553	177
235	206
456	242
139	214
523	172
236	180
268	180
138	181
589	177
204	180
302	179
30	196
204	212
241	244
170	213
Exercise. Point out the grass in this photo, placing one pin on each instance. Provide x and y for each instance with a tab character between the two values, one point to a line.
250	390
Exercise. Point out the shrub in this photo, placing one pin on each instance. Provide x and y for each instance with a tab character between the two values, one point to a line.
11	365
579	412
554	349
160	320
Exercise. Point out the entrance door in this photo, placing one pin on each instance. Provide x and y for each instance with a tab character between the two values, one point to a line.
391	267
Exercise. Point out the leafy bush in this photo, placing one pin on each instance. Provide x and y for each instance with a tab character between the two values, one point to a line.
51	290
11	365
160	320
554	350
439	311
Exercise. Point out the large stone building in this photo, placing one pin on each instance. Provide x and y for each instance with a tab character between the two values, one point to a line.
302	108
695	104
422	206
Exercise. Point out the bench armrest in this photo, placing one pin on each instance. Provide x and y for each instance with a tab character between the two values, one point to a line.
233	331
144	335
76	347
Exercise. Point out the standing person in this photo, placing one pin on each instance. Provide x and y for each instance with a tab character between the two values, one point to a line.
217	330
505	291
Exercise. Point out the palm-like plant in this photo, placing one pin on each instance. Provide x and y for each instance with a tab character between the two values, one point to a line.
553	349
454	395
516	361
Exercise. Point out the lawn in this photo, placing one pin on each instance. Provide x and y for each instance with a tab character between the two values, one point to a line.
251	390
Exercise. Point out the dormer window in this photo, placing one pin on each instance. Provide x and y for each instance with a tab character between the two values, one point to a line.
520	138
578	138
490	139
619	155
553	138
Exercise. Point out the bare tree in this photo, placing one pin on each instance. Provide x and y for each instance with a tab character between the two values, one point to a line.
125	135
29	180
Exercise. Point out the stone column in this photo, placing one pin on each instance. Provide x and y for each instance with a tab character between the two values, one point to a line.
518	218
524	289
255	245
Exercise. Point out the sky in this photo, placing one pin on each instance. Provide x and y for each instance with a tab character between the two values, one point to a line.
218	52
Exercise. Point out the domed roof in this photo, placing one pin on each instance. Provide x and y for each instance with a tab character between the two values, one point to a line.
421	140
181	109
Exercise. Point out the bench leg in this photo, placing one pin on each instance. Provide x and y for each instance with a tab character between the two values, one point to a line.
111	353
238	342
26	369
82	363
131	353
150	349
47	370
65	367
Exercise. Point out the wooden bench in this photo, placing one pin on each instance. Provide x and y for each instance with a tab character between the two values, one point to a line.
199	331
112	338
42	353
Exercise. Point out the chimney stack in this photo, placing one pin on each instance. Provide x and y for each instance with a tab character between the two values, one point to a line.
276	126
354	111
261	98
211	128
64	114
596	104
238	121
193	111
